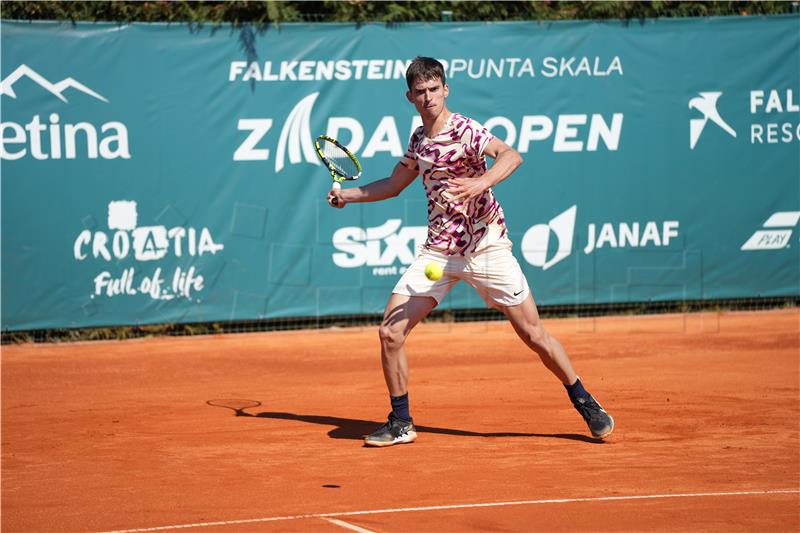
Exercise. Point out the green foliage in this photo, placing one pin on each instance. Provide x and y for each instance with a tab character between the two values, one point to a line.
362	11
194	12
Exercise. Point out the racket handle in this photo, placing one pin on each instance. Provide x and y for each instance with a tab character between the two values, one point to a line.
336	186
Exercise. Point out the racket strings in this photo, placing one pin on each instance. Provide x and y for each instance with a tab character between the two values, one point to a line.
339	160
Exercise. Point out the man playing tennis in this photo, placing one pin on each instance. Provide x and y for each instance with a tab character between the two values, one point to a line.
467	235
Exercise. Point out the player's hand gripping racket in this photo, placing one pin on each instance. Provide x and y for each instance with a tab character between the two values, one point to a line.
340	161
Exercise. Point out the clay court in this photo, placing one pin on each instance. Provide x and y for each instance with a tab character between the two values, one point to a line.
120	436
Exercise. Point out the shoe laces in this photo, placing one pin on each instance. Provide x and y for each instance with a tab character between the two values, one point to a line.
588	408
391	422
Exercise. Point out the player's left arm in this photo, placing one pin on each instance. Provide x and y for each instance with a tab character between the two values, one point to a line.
506	161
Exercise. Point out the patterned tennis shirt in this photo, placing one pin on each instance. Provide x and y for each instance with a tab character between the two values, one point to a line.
460	228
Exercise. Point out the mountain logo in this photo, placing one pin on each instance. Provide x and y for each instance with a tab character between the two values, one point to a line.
56	89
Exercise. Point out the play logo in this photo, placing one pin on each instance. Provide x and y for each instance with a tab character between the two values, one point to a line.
777	232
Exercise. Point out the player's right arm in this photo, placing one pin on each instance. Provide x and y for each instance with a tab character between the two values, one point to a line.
376	191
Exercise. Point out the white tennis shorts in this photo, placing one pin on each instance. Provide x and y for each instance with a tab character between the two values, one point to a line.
493	271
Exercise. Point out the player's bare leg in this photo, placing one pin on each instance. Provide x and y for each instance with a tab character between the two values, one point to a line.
525	320
402	313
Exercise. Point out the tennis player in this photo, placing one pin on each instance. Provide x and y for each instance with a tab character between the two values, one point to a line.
467	235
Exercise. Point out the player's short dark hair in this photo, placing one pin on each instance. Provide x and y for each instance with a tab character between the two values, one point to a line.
424	69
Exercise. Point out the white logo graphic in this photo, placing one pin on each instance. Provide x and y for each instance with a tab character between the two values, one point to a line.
773	239
296	134
379	247
148	243
302	70
56	89
775	123
48	138
295	137
706	103
566	133
536	241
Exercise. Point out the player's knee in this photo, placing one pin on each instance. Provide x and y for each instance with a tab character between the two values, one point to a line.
390	336
537	338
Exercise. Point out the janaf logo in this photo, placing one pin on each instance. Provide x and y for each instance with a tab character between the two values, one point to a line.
48	136
545	245
564	133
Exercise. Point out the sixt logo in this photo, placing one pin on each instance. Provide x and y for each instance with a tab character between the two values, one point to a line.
706	104
380	247
567	133
773	239
540	251
53	140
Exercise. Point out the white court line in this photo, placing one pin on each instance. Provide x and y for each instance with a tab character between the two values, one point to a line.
347	525
462	506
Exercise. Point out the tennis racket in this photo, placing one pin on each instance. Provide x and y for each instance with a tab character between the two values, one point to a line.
340	162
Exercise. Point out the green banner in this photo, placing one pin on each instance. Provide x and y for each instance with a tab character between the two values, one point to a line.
165	173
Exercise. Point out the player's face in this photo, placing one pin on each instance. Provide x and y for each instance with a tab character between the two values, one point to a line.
428	97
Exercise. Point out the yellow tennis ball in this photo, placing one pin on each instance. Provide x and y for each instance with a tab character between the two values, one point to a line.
434	271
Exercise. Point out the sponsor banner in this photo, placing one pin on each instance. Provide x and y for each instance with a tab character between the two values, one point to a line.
161	173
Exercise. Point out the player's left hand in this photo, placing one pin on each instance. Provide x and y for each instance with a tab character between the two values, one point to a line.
465	189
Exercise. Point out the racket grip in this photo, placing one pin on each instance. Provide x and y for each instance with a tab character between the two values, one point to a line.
336	186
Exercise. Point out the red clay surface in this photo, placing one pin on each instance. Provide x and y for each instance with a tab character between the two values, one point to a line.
118	435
